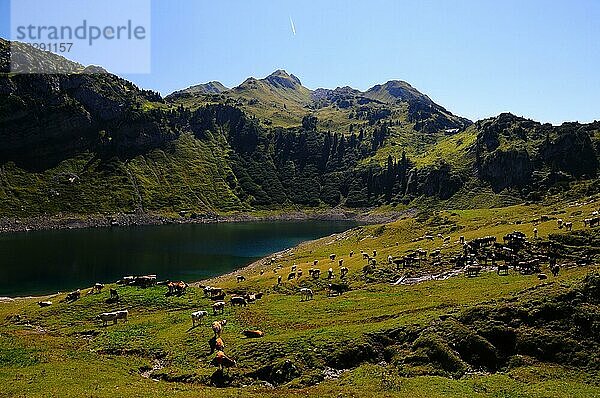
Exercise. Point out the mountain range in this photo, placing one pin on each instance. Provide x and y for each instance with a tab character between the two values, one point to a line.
95	143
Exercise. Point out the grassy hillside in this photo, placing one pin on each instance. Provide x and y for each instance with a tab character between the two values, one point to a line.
488	336
93	144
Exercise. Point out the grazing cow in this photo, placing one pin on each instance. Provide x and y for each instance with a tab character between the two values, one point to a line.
365	256
315	262
503	269
215	291
44	303
294	267
555	269
97	288
299	273
341	262
336	289
108	317
250	298
568	226
279	279
114	294
447	239
542	277
316	274
462	240
217	326
123	314
240	278
332	257
74	295
207	290
197	317
440	236
330	273
535	233
544	218
374	253
306	294
472	270
216	344
222	361
559	223
237	300
219	297
291	276
219	306
253	333
176	288
592	222
343	272
390	259
351	253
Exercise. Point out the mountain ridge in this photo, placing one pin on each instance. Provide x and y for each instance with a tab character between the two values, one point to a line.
96	143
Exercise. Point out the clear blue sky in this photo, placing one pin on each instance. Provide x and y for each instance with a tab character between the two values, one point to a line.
540	59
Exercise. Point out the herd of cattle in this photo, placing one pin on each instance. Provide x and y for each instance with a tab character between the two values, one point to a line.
515	251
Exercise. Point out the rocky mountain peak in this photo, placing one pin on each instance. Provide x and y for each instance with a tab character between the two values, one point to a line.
281	79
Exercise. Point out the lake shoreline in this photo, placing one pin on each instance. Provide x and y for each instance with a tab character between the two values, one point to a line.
254	266
42	223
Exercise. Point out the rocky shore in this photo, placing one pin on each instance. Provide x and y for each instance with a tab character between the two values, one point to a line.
367	216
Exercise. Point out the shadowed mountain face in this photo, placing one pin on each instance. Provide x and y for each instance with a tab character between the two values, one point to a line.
93	142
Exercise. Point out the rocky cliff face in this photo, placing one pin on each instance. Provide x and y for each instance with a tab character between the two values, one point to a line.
47	118
517	152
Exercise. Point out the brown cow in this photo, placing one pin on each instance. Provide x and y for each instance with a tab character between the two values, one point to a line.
176	288
222	361
217	327
253	333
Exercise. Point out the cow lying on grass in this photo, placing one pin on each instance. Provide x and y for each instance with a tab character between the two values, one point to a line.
73	295
253	333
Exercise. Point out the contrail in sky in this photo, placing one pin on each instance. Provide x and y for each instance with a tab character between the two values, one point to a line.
293	27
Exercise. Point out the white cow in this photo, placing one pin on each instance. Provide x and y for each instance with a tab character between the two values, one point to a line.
197	317
306	294
108	317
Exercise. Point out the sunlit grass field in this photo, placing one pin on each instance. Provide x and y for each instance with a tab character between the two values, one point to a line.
64	351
